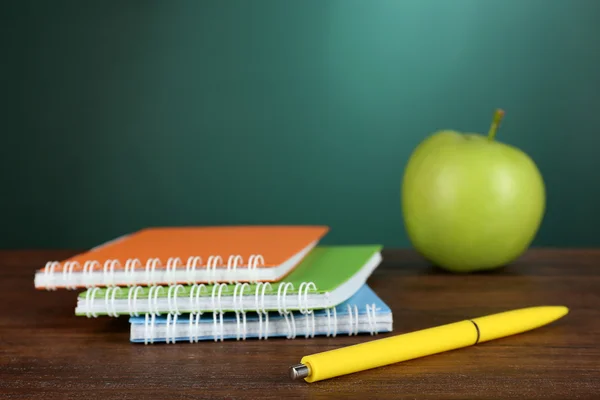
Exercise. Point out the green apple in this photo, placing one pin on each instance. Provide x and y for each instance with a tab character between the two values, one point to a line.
469	202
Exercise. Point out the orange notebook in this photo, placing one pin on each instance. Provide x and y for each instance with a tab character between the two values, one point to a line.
172	255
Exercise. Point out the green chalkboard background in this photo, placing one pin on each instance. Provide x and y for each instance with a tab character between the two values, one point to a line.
122	114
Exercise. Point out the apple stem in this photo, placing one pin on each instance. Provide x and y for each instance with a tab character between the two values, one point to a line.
498	115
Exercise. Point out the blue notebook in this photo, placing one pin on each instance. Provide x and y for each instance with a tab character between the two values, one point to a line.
362	313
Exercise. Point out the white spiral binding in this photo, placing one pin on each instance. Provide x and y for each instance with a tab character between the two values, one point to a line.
331	310
291	325
263	308
372	318
195	293
132	300
218	328
259	302
88	269
356	320
151	265
303	307
217	309
68	274
257	307
353	330
238	308
49	274
194	326
109	272
190	268
211	267
232	264
303	296
171	327
172	264
282	308
195	299
65	274
146	333
217	292
281	293
153	296
90	296
310	325
130	271
109	304
149	327
172	294
254	262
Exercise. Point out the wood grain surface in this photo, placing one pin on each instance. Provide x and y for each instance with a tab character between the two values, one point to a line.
47	352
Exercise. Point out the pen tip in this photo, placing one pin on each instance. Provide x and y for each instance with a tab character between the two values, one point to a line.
299	371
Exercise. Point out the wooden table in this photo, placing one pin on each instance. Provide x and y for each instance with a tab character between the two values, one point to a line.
46	351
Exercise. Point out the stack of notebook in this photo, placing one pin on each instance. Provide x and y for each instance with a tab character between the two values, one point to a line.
231	282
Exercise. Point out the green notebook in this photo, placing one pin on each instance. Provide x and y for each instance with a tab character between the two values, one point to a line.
327	276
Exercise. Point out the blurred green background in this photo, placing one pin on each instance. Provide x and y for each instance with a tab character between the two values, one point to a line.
118	115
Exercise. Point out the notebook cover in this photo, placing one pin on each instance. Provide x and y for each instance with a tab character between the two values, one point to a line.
276	244
326	266
364	304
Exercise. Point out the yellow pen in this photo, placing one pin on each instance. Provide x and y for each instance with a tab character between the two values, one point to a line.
377	353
